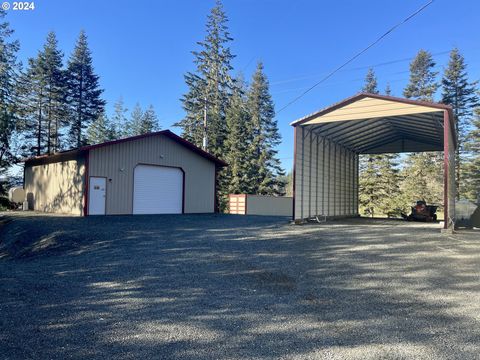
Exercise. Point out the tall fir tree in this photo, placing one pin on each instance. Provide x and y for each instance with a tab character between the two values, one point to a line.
119	118
472	161
379	180
150	121
388	90
101	130
422	84
368	193
371	85
135	121
43	99
237	142
9	69
265	167
209	87
422	171
56	110
84	92
460	93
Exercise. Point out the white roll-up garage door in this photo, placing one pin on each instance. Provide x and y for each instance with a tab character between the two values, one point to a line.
157	190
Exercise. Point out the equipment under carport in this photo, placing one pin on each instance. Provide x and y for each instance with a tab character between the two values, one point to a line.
422	212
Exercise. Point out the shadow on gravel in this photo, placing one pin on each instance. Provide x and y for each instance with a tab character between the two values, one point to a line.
209	287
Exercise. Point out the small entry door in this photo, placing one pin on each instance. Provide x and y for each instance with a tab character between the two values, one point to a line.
97	195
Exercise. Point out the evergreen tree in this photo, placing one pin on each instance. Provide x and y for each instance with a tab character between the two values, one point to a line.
9	68
84	93
458	92
101	130
379	181
423	172
388	185
135	122
388	90
150	121
43	99
210	85
119	119
237	142
371	85
368	194
422	84
265	168
472	161
51	67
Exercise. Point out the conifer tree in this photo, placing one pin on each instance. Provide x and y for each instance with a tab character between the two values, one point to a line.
210	85
119	118
367	183
135	122
388	185
51	67
388	90
150	121
9	68
237	142
101	130
43	105
371	85
422	84
265	167
84	92
422	171
458	92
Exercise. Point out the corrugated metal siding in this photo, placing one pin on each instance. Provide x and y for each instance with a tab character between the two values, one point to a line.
326	179
117	163
57	187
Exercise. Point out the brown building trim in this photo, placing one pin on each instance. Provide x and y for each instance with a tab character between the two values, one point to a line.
70	154
86	185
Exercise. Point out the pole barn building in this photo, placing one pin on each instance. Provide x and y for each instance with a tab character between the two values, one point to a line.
156	173
328	144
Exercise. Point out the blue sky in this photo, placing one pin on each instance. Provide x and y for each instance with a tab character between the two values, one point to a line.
141	49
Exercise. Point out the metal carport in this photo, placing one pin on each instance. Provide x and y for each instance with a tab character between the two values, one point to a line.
328	144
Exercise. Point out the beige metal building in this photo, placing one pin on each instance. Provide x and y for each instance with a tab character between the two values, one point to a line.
328	144
157	173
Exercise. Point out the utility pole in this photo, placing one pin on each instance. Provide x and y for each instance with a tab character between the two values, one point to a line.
205	139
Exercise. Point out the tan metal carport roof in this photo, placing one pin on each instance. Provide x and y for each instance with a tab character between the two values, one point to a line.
381	124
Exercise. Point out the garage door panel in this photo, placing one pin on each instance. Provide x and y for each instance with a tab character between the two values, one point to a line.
157	190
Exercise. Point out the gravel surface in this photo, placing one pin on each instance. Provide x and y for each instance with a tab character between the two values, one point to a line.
233	287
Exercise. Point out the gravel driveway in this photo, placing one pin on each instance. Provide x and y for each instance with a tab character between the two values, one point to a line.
218	287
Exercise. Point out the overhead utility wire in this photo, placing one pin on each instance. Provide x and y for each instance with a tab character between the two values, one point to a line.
356	56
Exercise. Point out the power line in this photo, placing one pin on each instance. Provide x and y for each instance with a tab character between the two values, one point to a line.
374	66
329	75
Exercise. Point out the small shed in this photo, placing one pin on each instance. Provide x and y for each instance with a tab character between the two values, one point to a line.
156	173
328	144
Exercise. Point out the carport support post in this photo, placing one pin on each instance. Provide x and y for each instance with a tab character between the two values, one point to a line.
323	176
446	164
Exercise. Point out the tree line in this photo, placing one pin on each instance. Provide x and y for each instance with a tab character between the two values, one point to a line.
52	105
390	183
239	116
